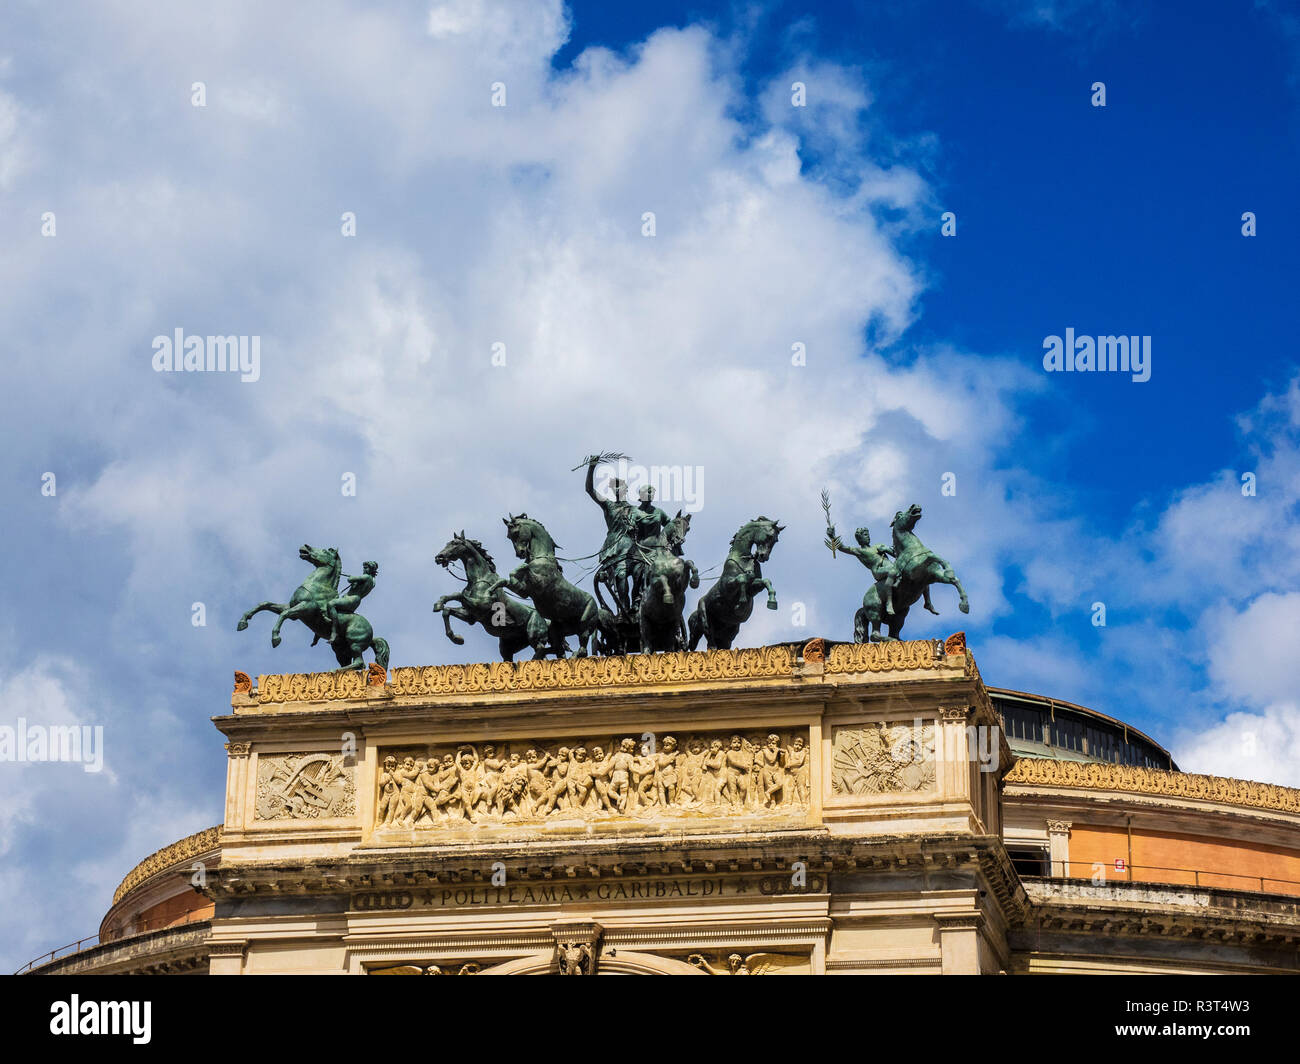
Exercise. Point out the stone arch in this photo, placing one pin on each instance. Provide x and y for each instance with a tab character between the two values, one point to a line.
618	963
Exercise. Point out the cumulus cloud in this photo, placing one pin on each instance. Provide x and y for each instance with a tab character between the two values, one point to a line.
1251	746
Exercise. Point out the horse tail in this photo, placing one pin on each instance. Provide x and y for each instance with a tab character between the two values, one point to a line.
381	651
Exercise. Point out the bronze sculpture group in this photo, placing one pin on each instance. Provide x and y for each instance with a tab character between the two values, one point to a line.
641	565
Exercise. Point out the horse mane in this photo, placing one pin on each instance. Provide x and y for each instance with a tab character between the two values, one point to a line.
532	520
482	550
742	528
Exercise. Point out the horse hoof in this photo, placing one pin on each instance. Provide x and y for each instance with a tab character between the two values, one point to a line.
771	604
964	607
241	626
275	640
459	640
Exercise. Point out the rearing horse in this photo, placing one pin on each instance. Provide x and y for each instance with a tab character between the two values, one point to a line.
569	610
308	604
916	567
667	575
728	603
515	624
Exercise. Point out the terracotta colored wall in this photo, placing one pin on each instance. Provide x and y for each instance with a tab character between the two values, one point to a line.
191	905
1226	863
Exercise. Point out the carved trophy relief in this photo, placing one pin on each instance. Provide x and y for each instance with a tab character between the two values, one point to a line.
304	787
640	776
882	758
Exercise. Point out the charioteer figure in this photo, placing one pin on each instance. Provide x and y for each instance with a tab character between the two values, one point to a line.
649	524
903	574
614	566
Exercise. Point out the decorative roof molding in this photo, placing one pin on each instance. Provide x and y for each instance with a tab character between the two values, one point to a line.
178	852
1044	772
602	673
898	655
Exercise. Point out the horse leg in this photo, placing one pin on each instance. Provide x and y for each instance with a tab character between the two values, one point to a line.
344	651
587	626
771	591
538	632
949	577
274	607
510	644
459	614
722	636
696	626
289	613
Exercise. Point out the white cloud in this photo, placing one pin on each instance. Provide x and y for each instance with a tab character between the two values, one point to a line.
1255	654
1251	746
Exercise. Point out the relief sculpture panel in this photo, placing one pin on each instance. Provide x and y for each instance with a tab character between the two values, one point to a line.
304	787
882	758
618	776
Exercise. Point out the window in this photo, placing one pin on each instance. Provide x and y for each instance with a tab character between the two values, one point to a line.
1029	860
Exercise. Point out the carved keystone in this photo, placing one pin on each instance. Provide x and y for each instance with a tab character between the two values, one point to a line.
577	946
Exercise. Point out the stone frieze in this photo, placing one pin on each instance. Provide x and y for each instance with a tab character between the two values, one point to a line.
627	776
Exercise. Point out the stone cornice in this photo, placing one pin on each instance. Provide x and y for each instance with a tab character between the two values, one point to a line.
1092	776
179	852
755	855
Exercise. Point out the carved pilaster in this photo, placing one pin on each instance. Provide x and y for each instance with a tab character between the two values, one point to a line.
1058	840
959	942
227	958
236	782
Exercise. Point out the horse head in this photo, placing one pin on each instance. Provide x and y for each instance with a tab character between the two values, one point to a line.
763	533
519	534
676	529
905	520
321	557
463	549
529	537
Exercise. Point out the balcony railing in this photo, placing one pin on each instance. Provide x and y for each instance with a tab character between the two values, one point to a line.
136	928
1102	872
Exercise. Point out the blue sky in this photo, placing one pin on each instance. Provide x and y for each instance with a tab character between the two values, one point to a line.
522	225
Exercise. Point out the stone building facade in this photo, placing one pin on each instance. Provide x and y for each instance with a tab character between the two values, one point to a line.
792	809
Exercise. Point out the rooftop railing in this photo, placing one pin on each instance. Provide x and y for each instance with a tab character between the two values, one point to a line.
135	929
